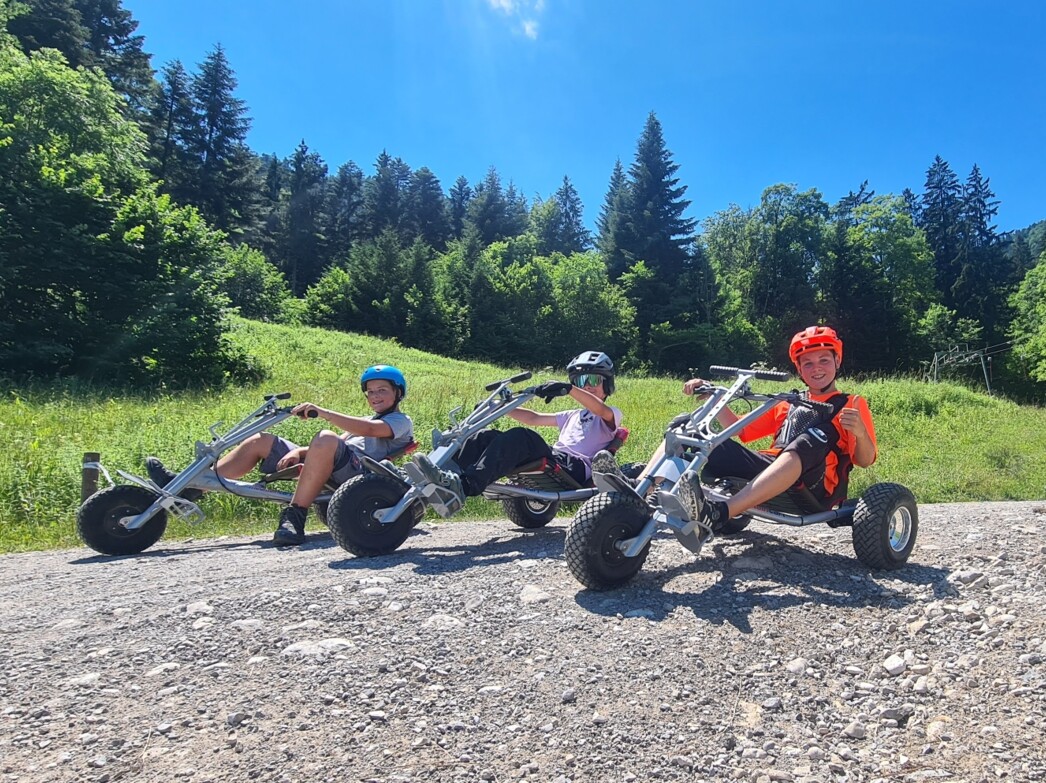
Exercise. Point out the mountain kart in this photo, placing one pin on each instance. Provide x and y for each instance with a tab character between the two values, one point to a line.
373	513
124	519
609	536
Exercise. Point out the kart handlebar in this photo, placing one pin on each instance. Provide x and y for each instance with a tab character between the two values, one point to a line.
523	376
763	375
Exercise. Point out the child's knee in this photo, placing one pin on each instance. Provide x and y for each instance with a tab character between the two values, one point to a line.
325	440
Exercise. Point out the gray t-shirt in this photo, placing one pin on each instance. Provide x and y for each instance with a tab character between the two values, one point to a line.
379	448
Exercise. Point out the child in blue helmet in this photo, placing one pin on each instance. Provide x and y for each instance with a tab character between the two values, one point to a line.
328	457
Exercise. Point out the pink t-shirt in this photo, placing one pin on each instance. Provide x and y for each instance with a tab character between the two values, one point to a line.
582	433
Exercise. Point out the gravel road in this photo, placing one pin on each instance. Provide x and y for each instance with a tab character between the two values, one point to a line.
473	655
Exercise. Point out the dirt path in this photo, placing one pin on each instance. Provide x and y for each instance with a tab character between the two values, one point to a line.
472	654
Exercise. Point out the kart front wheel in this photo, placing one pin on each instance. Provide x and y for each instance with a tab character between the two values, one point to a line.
885	524
352	521
98	520
591	548
530	514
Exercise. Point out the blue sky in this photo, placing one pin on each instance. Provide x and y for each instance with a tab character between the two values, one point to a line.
820	94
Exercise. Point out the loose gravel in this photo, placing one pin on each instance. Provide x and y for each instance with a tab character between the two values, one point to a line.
472	655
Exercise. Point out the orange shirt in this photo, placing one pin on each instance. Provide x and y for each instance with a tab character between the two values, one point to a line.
771	421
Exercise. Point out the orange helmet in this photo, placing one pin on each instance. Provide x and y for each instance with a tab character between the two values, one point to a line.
815	338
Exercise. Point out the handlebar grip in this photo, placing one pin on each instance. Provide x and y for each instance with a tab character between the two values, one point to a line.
280	396
763	375
825	409
313	413
514	379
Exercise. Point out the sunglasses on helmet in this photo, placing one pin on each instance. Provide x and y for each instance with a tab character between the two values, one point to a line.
588	379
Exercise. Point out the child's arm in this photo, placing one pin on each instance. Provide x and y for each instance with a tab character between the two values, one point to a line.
354	425
532	418
594	404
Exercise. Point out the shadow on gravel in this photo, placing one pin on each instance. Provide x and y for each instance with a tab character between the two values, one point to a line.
761	571
513	544
317	540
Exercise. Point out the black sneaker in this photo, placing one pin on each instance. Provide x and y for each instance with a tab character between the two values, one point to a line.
605	462
161	476
291	530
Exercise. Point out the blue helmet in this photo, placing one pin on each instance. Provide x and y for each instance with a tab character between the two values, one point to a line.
385	372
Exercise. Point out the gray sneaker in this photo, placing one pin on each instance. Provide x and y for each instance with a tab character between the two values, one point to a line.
691	495
605	462
447	479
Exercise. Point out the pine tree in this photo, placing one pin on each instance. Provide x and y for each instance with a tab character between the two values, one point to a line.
458	207
488	209
52	24
939	219
226	167
574	237
114	47
385	195
657	231
173	125
985	281
92	34
303	252
344	210
556	223
612	223
516	212
426	210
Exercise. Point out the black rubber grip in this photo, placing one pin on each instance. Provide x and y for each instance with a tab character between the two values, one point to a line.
313	413
824	408
514	379
763	375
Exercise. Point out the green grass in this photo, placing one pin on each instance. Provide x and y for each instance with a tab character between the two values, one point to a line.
945	442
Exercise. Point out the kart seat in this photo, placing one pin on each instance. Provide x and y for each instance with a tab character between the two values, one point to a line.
544	474
797	500
547	474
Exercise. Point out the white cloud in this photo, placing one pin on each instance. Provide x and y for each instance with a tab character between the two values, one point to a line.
522	13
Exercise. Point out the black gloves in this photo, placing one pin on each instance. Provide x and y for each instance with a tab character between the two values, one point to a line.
549	390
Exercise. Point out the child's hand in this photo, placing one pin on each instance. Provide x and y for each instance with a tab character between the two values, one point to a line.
851	421
695	385
292	457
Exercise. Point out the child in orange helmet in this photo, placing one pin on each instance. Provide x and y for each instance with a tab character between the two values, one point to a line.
804	453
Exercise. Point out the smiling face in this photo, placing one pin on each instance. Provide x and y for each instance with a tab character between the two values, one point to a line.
818	370
381	395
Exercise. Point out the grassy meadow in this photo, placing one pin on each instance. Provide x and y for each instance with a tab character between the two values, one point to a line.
944	441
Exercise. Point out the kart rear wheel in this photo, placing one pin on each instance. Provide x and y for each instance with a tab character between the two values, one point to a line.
591	550
98	520
885	524
351	515
528	513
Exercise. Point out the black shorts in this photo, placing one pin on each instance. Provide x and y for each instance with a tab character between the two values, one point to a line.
730	458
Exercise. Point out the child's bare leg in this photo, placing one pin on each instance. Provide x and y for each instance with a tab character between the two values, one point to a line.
781	474
245	457
318	466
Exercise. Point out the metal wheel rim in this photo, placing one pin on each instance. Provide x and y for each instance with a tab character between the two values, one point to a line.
900	531
112	524
536	506
608	546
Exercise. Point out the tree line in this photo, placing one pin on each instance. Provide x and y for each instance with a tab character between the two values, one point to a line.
134	218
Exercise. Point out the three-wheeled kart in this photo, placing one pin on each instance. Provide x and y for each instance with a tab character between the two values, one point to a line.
373	513
609	536
124	519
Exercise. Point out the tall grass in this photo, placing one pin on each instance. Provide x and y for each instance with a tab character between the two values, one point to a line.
945	442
